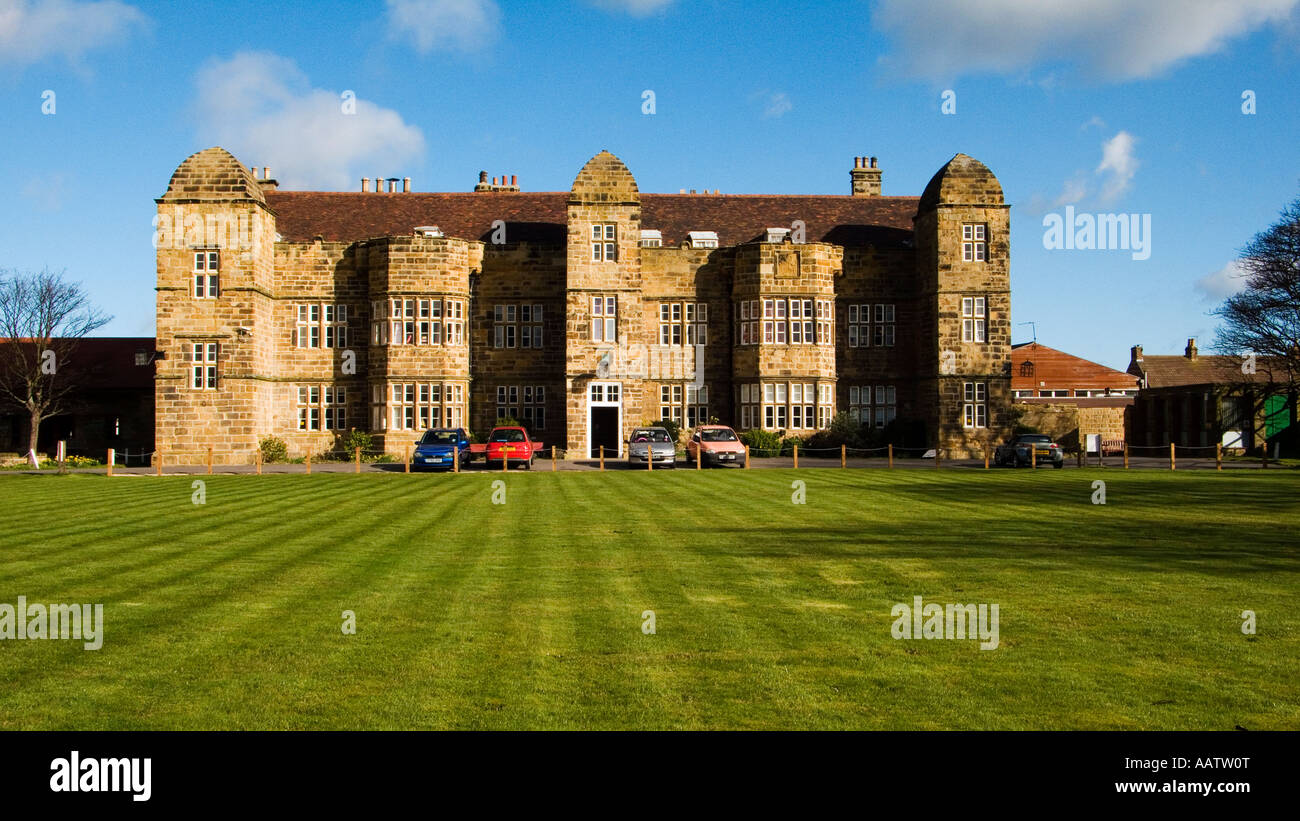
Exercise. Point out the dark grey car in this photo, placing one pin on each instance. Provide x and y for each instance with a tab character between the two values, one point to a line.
652	440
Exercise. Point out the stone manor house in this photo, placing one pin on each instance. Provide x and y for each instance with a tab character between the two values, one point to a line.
581	313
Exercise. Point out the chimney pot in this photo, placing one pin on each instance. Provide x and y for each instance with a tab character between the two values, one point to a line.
406	185
514	180
1190	351
365	184
482	176
379	184
266	172
494	180
857	162
873	162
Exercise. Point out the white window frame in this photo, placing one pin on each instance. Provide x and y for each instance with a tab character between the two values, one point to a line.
207	273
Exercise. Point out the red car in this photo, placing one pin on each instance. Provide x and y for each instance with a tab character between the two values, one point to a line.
511	443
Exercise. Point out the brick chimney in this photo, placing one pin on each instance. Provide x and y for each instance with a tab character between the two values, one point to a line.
1190	350
865	177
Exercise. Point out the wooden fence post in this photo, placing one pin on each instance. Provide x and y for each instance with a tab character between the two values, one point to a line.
891	454
308	463
746	457
1079	458
602	458
796	457
554	467
157	468
257	459
937	457
1172	464
356	459
649	456
505	458
209	460
1126	455
986	455
110	462
1218	456
699	456
455	458
406	459
844	457
1033	457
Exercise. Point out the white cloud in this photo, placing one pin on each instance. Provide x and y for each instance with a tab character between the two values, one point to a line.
33	31
777	105
1112	177
637	8
444	25
262	108
1118	165
1110	39
1223	283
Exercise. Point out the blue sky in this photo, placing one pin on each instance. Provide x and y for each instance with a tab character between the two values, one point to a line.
1104	105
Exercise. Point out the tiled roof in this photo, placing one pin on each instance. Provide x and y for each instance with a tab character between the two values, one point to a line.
542	217
1060	370
1177	371
1079	401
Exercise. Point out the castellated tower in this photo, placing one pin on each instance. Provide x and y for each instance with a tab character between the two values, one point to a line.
963	254
605	322
215	238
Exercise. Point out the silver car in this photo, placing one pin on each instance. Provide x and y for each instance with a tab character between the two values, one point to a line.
654	441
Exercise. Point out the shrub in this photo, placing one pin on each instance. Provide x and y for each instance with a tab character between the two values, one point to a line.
762	442
788	445
273	449
353	439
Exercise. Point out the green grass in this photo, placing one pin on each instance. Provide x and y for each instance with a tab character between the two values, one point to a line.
769	614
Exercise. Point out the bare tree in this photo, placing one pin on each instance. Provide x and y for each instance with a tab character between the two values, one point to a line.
1264	318
42	320
1261	324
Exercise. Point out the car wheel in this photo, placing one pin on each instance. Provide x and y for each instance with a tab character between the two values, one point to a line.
1059	465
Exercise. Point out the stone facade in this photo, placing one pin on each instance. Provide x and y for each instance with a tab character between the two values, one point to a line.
583	314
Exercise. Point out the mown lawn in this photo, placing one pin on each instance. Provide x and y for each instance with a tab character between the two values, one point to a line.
768	614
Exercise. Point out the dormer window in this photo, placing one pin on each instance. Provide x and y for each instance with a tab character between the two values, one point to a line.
604	243
651	238
428	231
776	235
703	239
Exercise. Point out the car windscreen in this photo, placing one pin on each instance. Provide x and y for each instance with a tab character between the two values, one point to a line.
507	436
1036	440
438	437
650	436
718	435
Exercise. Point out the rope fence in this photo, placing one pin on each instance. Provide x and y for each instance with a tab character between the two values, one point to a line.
1167	456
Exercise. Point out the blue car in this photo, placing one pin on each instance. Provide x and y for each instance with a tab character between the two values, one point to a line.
438	447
